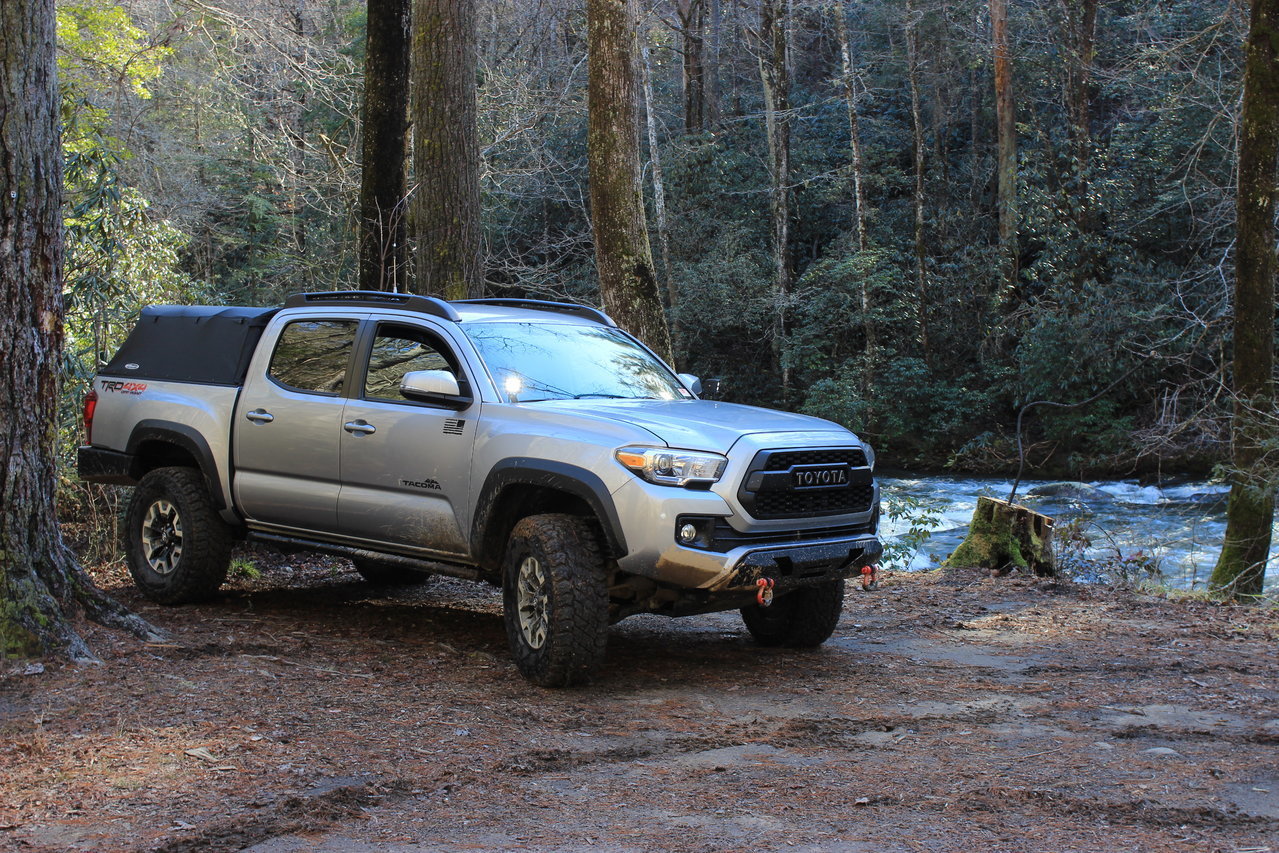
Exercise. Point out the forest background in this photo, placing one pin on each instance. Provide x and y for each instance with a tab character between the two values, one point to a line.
213	156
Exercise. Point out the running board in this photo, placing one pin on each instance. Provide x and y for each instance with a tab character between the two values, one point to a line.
433	567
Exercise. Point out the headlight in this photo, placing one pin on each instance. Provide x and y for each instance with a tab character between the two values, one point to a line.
668	467
870	455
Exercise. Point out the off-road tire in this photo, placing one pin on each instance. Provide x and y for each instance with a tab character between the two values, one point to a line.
378	573
801	619
191	563
556	606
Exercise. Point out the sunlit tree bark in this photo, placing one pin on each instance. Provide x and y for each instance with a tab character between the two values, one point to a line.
623	257
446	153
1240	570
1006	144
40	583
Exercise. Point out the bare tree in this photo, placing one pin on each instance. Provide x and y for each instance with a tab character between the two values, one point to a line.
849	81
385	120
923	300
40	582
659	184
623	257
446	155
774	72
1250	512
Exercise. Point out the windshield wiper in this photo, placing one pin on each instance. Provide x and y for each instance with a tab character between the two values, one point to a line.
600	394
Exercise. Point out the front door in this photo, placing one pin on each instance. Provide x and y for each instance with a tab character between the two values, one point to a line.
406	465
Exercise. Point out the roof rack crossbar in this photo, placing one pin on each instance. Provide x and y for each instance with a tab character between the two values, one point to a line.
377	299
584	311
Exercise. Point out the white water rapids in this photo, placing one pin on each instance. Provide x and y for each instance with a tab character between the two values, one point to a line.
1177	528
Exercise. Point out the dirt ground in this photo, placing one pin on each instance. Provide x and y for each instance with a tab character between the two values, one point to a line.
307	711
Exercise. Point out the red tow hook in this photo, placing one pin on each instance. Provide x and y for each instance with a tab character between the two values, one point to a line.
765	594
870	578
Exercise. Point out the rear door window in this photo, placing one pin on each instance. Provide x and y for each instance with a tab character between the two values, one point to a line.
314	355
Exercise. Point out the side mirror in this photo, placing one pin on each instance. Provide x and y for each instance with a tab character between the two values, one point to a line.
691	382
434	386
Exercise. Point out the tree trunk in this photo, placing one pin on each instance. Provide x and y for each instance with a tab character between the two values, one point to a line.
922	296
692	20
712	71
1003	537
40	582
446	153
1006	135
659	185
854	127
1081	35
775	77
1240	570
859	196
385	116
623	258
1080	21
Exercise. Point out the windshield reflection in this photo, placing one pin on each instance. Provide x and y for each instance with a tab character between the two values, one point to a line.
532	362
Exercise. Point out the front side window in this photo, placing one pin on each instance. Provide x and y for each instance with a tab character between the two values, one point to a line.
552	361
312	355
398	350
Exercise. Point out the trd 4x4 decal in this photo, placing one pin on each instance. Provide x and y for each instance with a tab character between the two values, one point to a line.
115	386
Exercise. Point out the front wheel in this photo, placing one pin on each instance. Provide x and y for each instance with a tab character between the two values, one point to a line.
804	618
178	547
555	599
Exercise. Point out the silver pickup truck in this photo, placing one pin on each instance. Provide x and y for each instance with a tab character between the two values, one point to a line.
533	445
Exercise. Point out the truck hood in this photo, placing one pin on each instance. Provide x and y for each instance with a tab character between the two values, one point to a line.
703	424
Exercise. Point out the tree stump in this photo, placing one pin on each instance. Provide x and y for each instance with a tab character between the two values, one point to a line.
1005	536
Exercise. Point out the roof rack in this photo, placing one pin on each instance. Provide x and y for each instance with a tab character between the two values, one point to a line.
377	299
584	311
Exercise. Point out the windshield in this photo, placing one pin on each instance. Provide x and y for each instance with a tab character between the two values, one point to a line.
538	361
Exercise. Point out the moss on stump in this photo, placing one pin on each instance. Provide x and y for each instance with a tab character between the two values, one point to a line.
1003	537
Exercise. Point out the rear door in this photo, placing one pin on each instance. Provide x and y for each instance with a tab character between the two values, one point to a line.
289	424
406	465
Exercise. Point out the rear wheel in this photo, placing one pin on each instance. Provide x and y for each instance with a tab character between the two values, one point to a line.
379	573
555	599
178	547
801	619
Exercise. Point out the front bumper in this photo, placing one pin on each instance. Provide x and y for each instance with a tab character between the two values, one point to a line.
650	514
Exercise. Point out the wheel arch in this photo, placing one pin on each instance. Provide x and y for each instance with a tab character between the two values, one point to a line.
518	487
161	444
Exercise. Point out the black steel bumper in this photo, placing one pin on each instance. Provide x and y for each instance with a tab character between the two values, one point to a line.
797	566
99	465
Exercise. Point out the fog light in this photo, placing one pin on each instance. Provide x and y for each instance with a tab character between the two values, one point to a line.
687	533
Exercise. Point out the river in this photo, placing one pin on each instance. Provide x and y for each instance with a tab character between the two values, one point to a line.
1175	529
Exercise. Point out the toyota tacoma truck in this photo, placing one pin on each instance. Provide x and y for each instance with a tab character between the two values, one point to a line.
531	445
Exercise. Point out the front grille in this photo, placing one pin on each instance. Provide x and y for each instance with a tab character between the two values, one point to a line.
829	502
768	489
785	459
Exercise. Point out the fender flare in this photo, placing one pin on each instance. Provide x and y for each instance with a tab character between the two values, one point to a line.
551	474
187	438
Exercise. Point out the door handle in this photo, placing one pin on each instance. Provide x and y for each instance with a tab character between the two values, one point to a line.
360	427
260	416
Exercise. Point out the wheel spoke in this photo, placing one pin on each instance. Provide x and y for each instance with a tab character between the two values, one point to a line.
162	537
531	602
